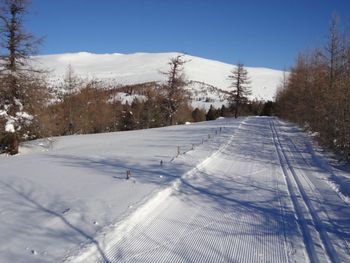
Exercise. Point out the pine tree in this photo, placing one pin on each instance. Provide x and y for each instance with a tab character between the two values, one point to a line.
212	114
198	115
127	121
223	111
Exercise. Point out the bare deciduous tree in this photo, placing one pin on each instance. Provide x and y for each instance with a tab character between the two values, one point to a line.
240	87
72	84
175	96
317	94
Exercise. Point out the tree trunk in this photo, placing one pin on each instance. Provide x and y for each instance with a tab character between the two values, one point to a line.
236	109
13	144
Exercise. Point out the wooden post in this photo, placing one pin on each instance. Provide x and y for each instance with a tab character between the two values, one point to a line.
128	174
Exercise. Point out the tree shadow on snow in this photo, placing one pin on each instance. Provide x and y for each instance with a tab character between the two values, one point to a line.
27	201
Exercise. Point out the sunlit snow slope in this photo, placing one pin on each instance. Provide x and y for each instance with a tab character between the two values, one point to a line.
146	67
244	190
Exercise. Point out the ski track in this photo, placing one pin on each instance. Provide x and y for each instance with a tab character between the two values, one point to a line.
257	199
310	205
321	211
197	229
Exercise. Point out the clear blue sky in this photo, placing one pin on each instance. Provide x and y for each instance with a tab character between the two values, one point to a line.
267	33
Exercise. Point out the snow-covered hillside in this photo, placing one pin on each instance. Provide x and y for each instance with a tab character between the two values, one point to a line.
147	67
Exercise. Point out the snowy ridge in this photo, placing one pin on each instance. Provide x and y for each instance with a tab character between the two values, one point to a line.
137	68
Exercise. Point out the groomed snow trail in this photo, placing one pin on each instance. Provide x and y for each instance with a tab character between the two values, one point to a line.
261	198
321	211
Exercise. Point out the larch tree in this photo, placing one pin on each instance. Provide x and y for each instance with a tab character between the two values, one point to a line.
240	87
72	84
334	52
334	58
16	73
317	93
175	96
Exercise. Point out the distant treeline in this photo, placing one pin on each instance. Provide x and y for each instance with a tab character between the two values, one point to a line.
91	108
316	93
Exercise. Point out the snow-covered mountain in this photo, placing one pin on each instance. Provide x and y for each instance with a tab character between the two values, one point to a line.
146	67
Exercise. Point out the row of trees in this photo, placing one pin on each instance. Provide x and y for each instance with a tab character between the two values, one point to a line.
316	93
90	108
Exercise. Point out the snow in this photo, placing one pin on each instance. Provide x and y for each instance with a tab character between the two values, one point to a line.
19	104
54	194
147	67
127	98
341	184
253	191
3	113
13	123
9	126
24	115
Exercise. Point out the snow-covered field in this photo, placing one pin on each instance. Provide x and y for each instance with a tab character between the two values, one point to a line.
147	67
254	191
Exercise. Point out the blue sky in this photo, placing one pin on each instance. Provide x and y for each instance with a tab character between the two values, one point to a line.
263	33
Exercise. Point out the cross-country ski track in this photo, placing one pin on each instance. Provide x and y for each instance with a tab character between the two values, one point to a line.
261	197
